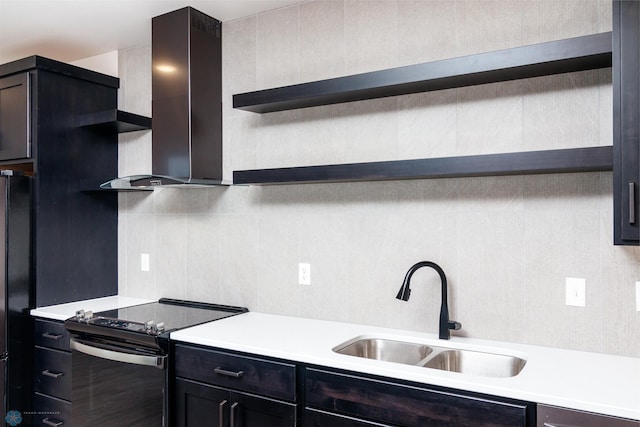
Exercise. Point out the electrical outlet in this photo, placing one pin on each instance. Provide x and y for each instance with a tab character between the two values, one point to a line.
304	274
144	262
575	292
637	296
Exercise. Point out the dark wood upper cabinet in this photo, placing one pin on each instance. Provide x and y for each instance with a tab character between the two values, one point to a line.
60	124
15	134
626	121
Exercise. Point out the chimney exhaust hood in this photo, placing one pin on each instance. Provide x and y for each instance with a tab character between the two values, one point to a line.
186	50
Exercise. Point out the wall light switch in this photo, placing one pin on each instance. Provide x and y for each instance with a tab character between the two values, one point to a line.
576	290
637	296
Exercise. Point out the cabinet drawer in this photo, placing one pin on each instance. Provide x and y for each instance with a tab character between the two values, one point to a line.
51	334
316	418
50	412
53	372
273	379
551	416
403	405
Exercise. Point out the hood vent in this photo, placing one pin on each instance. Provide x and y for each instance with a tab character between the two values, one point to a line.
186	51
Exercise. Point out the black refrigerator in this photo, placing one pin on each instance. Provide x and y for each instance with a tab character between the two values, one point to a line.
15	292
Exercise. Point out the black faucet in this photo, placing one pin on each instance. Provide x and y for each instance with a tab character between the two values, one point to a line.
404	293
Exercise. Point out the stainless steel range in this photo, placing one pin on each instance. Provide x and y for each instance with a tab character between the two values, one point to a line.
120	359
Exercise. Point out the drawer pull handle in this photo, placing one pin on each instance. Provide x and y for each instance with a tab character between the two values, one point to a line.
233	374
50	374
51	336
52	422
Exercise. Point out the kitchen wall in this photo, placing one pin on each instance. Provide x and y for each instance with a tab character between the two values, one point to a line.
507	244
106	63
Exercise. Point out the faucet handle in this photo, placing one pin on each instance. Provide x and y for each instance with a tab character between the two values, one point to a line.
454	325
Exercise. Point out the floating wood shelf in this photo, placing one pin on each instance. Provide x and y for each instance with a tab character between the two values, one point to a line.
122	121
561	56
523	163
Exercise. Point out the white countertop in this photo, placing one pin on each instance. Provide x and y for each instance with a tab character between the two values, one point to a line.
585	381
65	311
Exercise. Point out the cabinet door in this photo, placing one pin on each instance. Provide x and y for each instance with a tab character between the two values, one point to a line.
254	411
626	126
14	117
200	405
315	418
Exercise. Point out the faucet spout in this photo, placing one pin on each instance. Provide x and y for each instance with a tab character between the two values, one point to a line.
445	325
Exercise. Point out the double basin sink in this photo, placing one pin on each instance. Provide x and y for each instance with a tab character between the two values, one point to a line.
465	361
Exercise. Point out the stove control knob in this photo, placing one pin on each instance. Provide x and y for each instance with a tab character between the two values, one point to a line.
160	327
149	326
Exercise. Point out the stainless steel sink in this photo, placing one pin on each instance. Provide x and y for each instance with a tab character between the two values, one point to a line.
387	350
465	361
476	363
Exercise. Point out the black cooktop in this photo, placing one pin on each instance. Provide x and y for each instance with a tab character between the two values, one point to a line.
172	314
148	323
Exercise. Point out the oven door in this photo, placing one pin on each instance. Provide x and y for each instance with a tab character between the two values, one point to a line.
115	386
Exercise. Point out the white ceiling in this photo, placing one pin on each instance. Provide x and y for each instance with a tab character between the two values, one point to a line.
69	30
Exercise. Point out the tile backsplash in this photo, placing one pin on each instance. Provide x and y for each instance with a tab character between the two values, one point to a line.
506	243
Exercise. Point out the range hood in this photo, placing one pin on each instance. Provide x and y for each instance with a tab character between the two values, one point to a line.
186	50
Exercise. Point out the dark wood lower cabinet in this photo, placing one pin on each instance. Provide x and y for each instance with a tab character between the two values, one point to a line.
256	411
199	404
316	418
202	405
220	388
227	389
51	375
396	404
53	372
50	412
552	416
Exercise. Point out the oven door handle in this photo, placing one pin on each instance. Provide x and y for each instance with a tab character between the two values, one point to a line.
117	356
